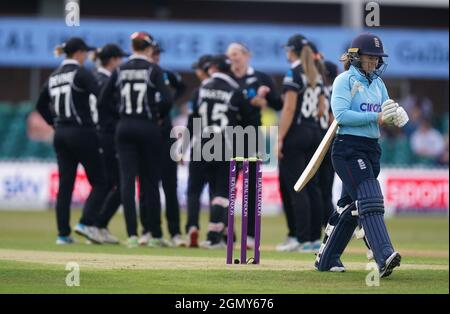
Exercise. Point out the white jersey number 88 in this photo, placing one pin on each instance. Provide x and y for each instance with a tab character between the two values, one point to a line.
310	101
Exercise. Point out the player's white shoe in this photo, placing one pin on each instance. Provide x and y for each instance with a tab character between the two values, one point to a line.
289	245
211	246
65	240
108	237
338	268
250	243
89	232
305	247
132	242
144	239
178	241
158	242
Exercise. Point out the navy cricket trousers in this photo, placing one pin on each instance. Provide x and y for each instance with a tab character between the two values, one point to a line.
355	159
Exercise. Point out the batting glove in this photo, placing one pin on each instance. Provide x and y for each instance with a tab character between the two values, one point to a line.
389	111
401	117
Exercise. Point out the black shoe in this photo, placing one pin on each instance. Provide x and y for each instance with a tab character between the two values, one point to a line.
225	237
392	262
214	237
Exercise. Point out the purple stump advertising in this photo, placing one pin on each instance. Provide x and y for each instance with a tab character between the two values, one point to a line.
245	183
232	199
258	210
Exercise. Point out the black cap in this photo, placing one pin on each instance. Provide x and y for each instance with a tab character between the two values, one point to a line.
202	63
331	69
111	51
367	44
296	42
313	47
222	62
317	55
157	49
146	37
75	44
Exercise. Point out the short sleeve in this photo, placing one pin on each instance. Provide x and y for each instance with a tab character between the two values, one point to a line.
292	81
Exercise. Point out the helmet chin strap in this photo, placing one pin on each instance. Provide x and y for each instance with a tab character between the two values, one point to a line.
372	75
368	76
357	63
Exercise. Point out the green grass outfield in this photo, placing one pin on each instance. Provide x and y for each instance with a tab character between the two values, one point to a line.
30	262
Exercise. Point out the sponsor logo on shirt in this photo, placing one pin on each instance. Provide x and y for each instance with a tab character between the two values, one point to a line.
370	107
251	80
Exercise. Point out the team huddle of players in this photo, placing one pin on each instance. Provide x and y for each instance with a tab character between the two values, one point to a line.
116	122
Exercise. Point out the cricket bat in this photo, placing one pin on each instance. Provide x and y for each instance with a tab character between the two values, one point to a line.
317	158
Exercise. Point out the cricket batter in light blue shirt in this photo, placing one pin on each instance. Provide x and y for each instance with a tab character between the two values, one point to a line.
360	104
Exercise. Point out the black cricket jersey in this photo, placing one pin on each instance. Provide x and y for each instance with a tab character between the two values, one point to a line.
102	76
249	84
308	96
176	85
108	114
64	100
134	85
324	121
218	103
175	82
193	106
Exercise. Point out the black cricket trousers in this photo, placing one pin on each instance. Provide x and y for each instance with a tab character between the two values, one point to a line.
151	217
111	163
75	145
138	145
326	179
197	180
303	209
